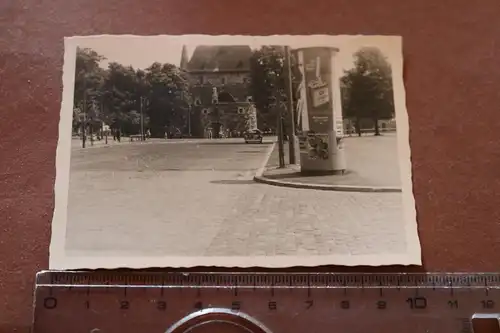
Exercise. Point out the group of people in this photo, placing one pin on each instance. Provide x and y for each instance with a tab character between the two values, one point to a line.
117	134
209	133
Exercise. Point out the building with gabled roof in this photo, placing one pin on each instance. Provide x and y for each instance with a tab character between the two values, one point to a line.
219	58
224	69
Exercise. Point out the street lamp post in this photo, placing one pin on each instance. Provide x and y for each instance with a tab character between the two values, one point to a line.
91	131
215	102
142	101
105	132
279	129
83	121
84	109
188	101
189	119
91	127
290	106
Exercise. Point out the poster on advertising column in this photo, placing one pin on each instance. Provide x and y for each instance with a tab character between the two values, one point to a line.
317	76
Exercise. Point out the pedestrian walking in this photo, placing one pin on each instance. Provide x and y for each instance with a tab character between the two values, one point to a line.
118	135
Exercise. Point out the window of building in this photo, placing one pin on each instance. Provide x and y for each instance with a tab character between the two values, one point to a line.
204	111
249	99
241	110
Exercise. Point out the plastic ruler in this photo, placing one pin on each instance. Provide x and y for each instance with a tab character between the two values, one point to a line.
150	302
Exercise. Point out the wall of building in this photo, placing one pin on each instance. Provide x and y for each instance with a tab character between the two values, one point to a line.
219	79
234	119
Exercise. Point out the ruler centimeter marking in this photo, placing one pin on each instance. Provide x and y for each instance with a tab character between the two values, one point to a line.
413	302
270	279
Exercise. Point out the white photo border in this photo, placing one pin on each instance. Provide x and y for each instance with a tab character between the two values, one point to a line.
60	258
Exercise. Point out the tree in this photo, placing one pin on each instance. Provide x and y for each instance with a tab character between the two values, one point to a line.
268	75
167	90
120	98
89	78
367	90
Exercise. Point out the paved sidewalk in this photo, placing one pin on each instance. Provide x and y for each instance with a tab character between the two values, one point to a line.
372	165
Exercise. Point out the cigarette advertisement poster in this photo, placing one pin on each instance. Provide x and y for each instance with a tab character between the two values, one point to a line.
317	75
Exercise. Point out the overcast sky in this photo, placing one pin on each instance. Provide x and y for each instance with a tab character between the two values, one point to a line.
141	52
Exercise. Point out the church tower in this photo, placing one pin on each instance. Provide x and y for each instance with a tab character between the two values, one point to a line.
184	58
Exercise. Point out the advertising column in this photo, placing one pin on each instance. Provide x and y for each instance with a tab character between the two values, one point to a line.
319	112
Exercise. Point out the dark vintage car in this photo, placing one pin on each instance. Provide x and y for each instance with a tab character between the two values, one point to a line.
175	135
253	136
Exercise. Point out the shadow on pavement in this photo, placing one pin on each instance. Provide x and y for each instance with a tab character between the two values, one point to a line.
305	176
233	182
221	169
249	152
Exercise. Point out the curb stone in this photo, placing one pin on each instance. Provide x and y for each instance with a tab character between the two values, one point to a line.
324	187
262	169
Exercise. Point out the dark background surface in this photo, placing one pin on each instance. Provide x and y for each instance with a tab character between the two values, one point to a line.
452	78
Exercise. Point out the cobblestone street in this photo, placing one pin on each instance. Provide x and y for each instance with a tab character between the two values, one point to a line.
199	199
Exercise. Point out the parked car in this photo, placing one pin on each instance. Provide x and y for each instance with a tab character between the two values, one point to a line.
253	136
176	135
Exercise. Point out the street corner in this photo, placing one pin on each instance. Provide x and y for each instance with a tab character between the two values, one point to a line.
291	176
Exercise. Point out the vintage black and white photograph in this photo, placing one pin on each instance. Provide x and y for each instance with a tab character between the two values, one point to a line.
197	150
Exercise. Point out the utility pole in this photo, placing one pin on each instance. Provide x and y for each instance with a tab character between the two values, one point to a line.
290	106
279	129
